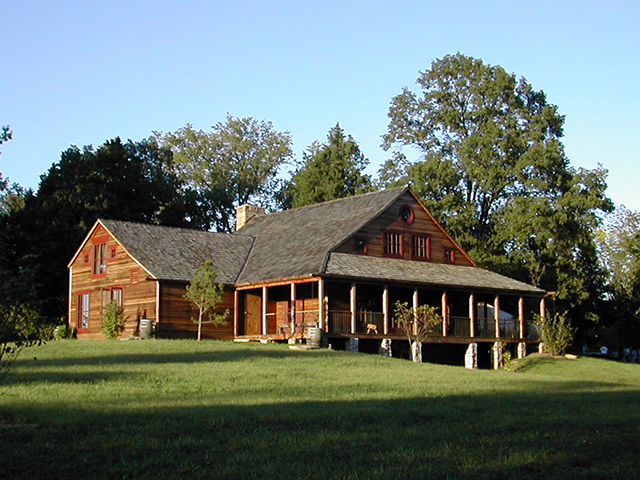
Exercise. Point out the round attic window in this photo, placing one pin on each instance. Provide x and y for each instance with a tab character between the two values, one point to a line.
406	215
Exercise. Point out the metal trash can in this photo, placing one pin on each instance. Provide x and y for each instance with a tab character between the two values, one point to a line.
146	328
314	338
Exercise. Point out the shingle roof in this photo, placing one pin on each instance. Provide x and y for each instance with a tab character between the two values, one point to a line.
424	273
297	242
176	253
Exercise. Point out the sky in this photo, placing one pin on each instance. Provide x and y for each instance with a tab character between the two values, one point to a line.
83	72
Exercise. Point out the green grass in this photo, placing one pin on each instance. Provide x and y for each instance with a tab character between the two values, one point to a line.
183	409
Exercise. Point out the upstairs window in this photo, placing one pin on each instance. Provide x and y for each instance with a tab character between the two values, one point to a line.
421	247
393	244
449	256
113	253
100	259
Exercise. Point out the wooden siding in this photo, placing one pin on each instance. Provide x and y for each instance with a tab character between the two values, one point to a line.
176	314
390	221
138	291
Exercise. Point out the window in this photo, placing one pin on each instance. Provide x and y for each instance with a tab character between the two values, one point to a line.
421	247
100	259
361	246
393	244
83	311
112	295
449	256
86	259
113	253
406	215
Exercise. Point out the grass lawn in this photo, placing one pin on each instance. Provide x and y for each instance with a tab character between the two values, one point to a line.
183	409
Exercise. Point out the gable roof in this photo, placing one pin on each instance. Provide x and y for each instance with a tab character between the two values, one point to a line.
297	242
170	253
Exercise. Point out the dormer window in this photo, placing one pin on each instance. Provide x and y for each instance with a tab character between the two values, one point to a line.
421	247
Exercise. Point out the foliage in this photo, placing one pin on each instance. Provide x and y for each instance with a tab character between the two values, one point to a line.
39	232
556	332
416	324
112	321
236	163
228	410
65	332
494	173
205	293
17	331
329	171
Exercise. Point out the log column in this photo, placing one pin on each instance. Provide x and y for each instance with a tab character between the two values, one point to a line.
321	310
521	316
264	310
352	303
293	308
415	311
496	314
472	315
445	313
385	310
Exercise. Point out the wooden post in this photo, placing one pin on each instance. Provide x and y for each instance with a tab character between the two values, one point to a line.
352	306
543	309
385	309
321	323
293	308
472	315
496	314
521	316
445	313
415	311
264	310
236	312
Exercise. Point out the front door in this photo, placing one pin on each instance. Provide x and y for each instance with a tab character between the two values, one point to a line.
253	313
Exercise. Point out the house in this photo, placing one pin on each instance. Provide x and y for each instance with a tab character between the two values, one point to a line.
339	266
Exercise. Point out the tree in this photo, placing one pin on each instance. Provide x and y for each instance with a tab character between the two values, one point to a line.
17	331
40	232
416	325
330	171
494	173
5	136
205	293
237	162
112	321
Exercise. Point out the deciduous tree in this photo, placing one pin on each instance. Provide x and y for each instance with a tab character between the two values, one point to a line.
493	171
237	162
205	293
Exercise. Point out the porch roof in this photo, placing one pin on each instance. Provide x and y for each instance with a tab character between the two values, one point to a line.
423	273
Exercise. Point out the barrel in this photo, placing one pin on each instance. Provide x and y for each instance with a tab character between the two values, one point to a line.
146	327
314	338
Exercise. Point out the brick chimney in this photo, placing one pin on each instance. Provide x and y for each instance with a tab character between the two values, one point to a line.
246	212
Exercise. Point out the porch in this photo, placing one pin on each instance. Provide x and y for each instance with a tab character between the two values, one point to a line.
287	310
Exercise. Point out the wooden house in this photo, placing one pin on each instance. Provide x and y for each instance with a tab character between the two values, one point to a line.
339	266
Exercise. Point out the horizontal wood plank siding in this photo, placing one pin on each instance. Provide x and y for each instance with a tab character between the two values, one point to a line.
177	314
390	220
138	297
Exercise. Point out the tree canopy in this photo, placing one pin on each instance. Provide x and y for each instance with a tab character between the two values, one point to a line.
493	171
237	162
329	171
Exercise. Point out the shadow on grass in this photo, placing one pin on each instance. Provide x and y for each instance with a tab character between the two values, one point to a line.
531	435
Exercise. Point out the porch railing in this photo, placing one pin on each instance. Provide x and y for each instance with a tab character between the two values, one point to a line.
339	321
485	328
370	322
459	327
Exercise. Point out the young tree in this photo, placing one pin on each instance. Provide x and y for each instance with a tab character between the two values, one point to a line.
112	321
205	293
494	173
237	162
556	333
416	324
331	170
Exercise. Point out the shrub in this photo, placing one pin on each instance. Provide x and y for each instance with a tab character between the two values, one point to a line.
112	321
555	332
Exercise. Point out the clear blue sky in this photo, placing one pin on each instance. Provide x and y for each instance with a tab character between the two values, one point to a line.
83	72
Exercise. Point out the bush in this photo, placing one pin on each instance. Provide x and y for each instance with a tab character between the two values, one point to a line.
555	332
112	321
